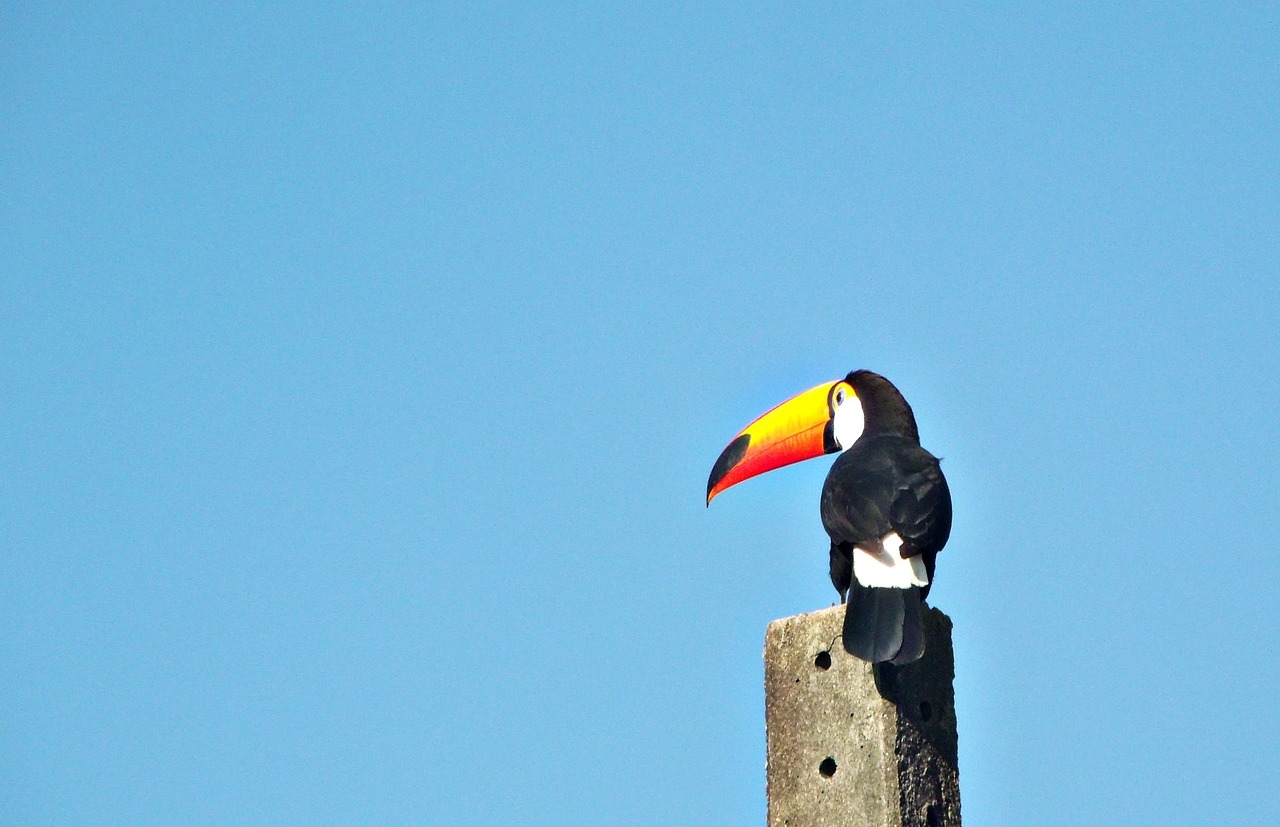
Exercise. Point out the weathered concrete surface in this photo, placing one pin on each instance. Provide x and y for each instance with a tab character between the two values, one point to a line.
854	746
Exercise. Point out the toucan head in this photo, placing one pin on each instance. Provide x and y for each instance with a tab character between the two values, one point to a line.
821	420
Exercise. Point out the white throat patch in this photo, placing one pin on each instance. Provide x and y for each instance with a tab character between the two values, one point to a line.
847	423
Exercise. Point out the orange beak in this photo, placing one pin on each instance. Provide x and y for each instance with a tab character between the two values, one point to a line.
796	430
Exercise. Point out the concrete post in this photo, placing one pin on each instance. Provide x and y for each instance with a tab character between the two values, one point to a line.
854	746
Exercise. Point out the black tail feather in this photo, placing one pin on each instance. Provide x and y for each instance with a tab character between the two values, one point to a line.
883	624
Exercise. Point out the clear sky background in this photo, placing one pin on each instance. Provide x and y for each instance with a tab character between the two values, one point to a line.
363	369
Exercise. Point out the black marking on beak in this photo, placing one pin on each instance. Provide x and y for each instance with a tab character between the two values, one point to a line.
729	457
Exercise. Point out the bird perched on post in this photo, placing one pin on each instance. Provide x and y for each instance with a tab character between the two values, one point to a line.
885	502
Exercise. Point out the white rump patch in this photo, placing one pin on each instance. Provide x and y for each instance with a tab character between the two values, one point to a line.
881	566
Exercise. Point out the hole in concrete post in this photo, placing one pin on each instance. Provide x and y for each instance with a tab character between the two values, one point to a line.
827	767
926	711
823	660
932	816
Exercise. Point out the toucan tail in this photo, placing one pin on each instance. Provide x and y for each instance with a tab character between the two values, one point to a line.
883	624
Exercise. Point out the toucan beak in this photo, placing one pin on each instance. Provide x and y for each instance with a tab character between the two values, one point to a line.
796	430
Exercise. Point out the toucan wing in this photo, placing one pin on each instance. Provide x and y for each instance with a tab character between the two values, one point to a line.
921	509
888	484
858	495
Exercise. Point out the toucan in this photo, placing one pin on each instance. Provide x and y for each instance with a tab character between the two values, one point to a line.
885	502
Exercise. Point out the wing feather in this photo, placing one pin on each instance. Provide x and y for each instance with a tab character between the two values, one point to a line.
887	484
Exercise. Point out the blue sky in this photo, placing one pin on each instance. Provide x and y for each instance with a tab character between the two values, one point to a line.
364	369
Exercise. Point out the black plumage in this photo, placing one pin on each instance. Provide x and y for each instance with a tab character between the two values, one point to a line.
884	483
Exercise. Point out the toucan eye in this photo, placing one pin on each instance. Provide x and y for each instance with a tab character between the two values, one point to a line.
840	396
